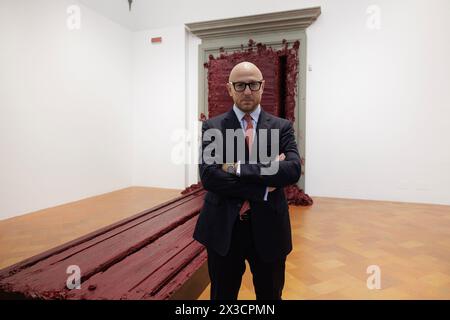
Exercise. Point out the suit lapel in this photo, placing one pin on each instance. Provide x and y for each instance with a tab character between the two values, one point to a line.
263	123
231	121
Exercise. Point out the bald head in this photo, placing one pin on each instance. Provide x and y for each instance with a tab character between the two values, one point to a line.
245	69
248	76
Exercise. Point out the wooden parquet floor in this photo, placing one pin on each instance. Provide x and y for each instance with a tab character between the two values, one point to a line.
335	240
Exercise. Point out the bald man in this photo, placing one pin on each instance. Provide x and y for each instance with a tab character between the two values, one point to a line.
245	215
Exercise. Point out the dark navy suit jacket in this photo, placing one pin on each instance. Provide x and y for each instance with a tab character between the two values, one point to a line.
226	192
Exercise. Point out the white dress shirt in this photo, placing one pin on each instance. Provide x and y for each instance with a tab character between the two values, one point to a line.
255	117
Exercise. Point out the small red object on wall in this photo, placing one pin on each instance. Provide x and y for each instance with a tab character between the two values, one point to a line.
157	40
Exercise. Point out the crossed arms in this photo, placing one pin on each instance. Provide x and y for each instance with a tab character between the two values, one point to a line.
251	184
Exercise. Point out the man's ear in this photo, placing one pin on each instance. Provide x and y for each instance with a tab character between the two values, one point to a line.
229	88
262	86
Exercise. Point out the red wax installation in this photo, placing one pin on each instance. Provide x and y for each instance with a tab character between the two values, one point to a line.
151	255
280	71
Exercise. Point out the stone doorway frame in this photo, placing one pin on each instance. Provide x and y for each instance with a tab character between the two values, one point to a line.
269	29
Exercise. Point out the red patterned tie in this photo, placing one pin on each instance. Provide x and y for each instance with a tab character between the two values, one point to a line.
249	141
249	132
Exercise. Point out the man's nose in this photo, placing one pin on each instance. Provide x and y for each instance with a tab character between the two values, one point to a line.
247	90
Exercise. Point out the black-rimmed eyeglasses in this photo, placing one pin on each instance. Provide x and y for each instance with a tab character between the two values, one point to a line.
253	86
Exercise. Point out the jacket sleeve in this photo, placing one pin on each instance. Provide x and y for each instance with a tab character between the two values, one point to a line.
216	180
289	170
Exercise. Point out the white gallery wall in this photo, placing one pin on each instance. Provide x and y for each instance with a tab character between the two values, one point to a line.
65	114
378	102
102	108
165	90
159	108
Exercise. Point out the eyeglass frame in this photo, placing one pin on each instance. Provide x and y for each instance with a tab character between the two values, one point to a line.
247	84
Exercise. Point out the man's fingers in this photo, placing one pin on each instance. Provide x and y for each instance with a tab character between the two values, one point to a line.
280	157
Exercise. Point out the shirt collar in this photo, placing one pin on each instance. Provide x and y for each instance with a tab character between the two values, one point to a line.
240	114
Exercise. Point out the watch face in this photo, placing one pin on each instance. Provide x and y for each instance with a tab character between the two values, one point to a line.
230	169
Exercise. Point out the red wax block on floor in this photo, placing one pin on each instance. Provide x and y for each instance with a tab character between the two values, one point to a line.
149	256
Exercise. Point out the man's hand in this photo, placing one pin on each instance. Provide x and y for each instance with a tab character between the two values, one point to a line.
229	167
279	157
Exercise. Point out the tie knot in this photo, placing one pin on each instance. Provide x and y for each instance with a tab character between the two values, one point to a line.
248	118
